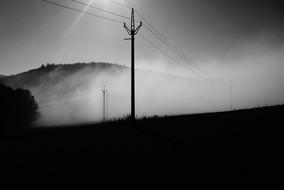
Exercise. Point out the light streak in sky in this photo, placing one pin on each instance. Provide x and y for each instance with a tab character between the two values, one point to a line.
79	17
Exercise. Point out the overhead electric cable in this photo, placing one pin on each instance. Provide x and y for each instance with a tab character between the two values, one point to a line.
164	52
187	60
81	11
99	9
120	4
163	39
162	36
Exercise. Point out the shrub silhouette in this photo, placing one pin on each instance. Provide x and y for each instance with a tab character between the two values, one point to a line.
18	109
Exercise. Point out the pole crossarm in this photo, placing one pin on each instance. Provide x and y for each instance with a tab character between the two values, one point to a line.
127	29
138	28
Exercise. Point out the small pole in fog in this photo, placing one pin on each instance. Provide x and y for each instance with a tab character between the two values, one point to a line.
231	94
107	105
104	91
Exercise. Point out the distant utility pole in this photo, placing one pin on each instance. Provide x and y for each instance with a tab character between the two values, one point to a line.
231	94
107	100
132	32
104	91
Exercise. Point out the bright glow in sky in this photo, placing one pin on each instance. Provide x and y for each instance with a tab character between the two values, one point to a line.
100	3
203	29
80	16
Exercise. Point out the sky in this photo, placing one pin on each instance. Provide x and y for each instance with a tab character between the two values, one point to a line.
235	47
34	33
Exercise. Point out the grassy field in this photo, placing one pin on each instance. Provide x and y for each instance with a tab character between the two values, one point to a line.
246	145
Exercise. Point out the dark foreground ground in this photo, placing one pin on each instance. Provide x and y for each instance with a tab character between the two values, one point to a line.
244	147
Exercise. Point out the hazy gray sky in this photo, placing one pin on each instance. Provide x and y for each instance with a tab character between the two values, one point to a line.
237	44
33	32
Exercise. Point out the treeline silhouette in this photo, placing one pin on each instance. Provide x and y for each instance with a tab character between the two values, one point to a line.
36	77
18	109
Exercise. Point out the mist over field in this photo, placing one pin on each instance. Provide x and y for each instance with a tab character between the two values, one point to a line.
72	97
248	76
251	73
78	98
255	69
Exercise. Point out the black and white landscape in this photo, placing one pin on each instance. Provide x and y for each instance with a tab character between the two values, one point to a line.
209	94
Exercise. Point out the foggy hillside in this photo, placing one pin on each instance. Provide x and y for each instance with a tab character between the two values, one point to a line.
71	93
35	77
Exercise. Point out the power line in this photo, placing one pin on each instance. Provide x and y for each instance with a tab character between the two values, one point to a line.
163	39
99	9
148	26
157	47
156	33
162	36
164	52
120	4
174	49
81	11
168	43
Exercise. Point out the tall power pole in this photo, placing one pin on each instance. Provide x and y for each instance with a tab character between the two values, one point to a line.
132	31
104	91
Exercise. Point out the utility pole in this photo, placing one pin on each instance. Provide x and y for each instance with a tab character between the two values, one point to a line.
231	94
104	91
107	100
132	32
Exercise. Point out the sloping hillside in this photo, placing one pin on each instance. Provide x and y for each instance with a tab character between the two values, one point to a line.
54	73
62	87
71	93
244	146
